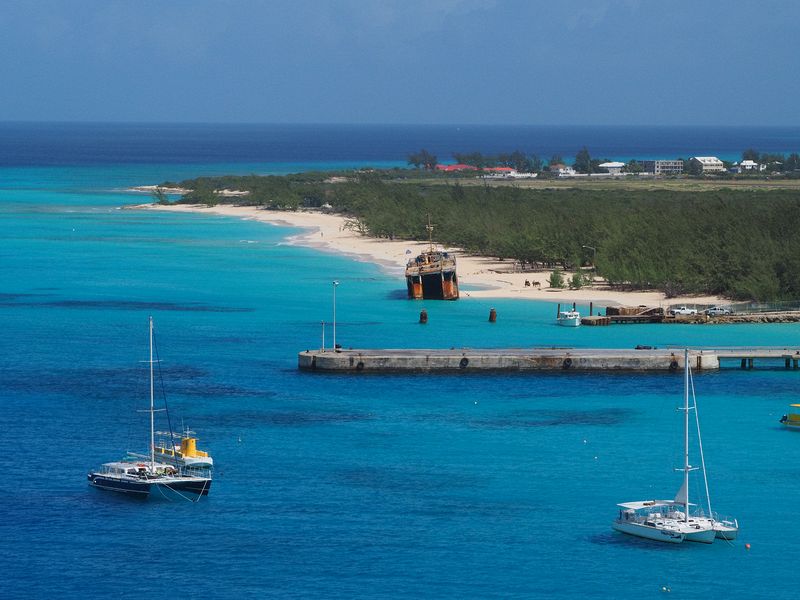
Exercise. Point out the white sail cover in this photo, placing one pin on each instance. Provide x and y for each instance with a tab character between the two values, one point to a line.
682	497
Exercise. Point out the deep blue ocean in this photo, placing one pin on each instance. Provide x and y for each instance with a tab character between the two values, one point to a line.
447	486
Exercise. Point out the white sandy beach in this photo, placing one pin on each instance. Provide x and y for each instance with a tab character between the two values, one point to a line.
484	277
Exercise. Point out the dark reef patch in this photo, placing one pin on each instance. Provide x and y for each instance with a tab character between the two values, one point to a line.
19	300
556	418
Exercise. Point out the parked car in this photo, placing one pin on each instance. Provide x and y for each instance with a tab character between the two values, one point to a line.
717	311
682	310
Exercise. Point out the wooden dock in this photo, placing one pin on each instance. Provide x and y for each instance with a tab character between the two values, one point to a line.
466	360
657	316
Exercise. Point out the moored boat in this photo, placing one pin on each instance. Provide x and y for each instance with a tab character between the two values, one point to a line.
569	318
792	420
140	475
662	521
674	520
432	274
139	479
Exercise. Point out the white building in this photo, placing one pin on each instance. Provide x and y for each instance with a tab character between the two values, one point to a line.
708	164
562	170
614	168
750	166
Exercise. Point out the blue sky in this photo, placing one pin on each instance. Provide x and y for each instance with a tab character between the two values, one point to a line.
598	62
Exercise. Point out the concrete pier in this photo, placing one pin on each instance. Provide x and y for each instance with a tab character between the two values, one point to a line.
538	359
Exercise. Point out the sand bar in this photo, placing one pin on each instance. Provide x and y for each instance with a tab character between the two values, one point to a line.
483	277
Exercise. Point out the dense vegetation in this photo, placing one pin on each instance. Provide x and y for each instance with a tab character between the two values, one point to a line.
744	244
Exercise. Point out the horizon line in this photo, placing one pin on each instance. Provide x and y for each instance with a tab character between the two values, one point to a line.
380	124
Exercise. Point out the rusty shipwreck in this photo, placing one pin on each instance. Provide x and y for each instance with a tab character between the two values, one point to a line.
432	274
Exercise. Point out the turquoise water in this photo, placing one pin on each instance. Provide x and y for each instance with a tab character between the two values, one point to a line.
342	486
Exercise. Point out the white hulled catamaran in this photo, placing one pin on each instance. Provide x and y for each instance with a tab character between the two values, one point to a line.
673	520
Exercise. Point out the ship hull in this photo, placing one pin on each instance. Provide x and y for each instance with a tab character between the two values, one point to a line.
121	485
199	486
440	285
195	485
702	536
651	533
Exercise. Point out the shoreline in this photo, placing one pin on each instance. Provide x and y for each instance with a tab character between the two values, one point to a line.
488	277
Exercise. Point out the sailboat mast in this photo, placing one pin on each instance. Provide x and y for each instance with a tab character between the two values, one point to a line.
152	407
686	466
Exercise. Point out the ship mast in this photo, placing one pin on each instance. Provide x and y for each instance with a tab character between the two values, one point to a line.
152	407
686	465
429	227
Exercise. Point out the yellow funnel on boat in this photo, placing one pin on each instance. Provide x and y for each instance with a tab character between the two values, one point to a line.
189	446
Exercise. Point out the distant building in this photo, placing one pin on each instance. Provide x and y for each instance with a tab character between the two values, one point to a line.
750	166
614	168
562	170
456	167
499	172
662	167
708	164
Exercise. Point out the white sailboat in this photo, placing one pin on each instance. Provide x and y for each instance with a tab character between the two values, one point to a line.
672	520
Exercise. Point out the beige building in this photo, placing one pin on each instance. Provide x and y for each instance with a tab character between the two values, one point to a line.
662	167
708	164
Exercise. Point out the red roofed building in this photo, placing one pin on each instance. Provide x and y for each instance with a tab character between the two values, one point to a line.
457	167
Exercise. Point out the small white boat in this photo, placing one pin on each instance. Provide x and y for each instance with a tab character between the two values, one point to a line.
569	318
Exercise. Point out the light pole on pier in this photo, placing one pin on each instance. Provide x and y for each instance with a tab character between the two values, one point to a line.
335	283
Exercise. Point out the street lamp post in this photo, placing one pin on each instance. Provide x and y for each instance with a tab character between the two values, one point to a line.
335	283
594	258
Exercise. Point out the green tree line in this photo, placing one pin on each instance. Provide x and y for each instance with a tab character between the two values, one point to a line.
743	244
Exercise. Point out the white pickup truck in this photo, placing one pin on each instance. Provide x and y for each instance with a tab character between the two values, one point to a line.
682	310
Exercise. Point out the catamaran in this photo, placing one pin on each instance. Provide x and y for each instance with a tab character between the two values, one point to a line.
141	475
672	520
